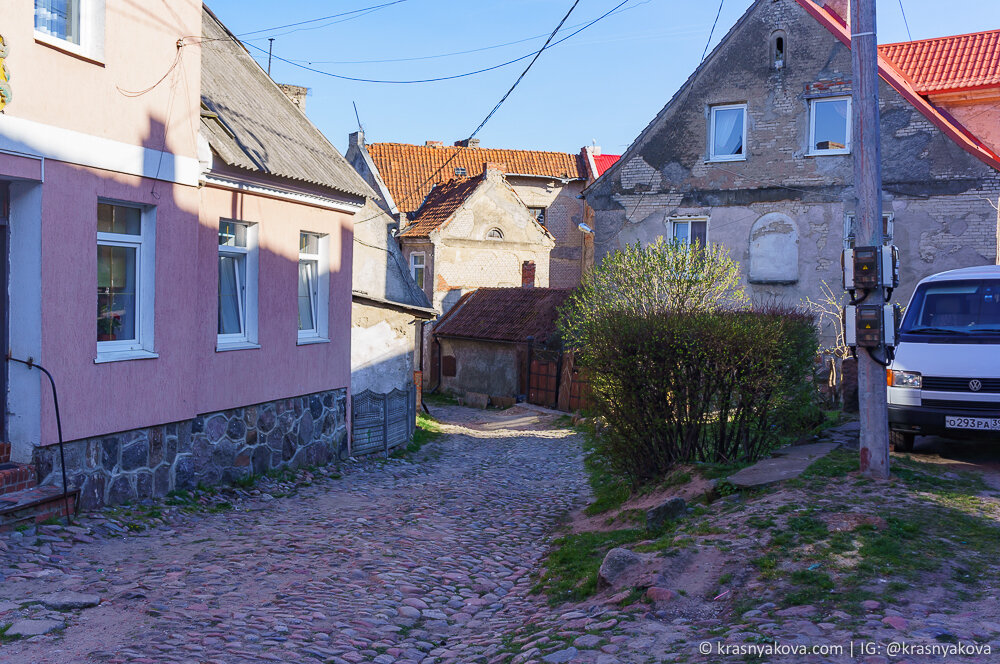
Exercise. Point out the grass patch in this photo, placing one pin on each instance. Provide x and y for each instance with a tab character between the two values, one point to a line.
439	399
428	429
837	463
572	565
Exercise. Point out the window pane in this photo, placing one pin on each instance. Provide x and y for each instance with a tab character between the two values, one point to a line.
308	243
416	259
307	294
59	18
830	125
232	234
418	276
728	132
682	231
118	219
539	214
699	232
116	293
230	295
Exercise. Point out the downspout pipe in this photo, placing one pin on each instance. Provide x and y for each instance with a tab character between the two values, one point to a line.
31	364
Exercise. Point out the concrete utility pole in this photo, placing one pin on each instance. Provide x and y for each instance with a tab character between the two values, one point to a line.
867	150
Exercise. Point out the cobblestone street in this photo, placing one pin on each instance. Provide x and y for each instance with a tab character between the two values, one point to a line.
397	562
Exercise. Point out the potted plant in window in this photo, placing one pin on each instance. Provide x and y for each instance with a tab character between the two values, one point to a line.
108	323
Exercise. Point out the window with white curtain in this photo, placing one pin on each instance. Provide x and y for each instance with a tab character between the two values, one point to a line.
237	319
125	271
313	287
728	132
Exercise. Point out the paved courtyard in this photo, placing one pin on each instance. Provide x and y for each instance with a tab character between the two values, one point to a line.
429	561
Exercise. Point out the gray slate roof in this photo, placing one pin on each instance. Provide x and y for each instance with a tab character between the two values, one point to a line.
258	127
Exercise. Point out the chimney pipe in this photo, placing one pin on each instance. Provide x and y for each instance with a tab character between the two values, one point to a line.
528	274
467	143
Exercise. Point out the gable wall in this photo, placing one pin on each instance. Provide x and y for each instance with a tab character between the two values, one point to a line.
564	212
941	196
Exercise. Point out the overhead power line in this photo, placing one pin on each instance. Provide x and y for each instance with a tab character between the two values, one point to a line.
712	31
438	78
905	22
523	73
323	18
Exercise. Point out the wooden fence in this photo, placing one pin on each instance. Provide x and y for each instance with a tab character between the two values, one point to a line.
382	422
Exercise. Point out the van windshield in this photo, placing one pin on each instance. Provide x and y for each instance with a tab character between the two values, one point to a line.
955	308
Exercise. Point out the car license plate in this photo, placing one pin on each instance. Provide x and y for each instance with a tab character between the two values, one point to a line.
978	423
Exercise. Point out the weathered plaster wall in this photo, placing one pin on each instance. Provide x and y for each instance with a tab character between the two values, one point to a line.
942	198
563	215
382	349
481	366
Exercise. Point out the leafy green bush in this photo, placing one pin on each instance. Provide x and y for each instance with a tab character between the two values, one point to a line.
682	370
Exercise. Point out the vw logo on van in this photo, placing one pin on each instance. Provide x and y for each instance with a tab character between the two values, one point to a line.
975	384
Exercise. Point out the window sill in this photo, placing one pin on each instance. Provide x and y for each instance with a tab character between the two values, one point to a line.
236	345
307	341
720	159
828	153
69	48
124	355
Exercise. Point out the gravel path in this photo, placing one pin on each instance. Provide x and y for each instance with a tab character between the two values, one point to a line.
392	562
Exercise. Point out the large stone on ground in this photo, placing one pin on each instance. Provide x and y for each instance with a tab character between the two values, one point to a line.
616	564
67	600
477	400
564	655
26	628
670	510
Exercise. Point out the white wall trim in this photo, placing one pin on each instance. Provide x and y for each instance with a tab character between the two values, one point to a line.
46	141
282	194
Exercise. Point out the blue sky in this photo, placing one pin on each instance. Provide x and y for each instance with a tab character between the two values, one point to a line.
604	84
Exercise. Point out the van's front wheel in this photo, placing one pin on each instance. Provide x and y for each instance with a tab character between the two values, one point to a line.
901	441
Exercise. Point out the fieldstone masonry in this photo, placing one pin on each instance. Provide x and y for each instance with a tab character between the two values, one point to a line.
209	449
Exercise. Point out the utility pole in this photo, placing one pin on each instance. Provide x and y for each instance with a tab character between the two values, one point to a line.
270	50
867	151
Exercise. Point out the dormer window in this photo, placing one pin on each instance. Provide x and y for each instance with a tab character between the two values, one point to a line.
778	50
494	234
460	172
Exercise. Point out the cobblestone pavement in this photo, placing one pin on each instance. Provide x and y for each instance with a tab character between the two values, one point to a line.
390	562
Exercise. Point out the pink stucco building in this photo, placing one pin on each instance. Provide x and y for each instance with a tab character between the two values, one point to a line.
178	241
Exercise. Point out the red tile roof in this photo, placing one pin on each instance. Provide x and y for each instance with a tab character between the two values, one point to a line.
442	202
894	77
947	64
504	314
605	161
410	171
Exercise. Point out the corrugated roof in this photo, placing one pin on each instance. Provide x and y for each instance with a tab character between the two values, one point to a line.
959	62
442	202
258	127
504	314
605	161
411	171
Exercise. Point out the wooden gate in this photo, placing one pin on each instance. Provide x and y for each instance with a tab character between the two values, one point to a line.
543	378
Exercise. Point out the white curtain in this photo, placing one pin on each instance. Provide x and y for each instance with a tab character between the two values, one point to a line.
729	131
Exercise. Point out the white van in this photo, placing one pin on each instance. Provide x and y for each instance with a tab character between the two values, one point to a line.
945	379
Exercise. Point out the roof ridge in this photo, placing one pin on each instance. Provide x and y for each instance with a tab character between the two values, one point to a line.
461	147
941	38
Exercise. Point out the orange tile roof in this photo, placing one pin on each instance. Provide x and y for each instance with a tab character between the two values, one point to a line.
411	171
442	202
945	64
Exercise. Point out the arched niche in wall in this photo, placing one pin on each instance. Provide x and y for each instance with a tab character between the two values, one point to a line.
774	250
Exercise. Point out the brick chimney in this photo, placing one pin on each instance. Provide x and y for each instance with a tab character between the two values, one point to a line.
296	93
528	274
493	170
840	7
434	144
467	143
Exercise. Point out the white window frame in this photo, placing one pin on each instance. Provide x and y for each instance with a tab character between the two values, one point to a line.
414	266
675	221
320	332
142	347
812	127
711	133
92	19
249	305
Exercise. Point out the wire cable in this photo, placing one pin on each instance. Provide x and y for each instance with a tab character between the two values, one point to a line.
712	31
322	18
905	22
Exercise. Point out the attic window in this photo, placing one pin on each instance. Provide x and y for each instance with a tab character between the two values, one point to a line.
460	171
494	234
778	50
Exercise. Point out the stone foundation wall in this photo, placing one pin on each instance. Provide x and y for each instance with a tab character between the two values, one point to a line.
210	449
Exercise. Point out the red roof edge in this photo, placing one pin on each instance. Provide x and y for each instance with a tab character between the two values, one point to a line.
888	72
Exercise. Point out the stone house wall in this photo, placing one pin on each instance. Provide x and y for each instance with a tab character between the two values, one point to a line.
486	367
564	212
210	449
943	199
